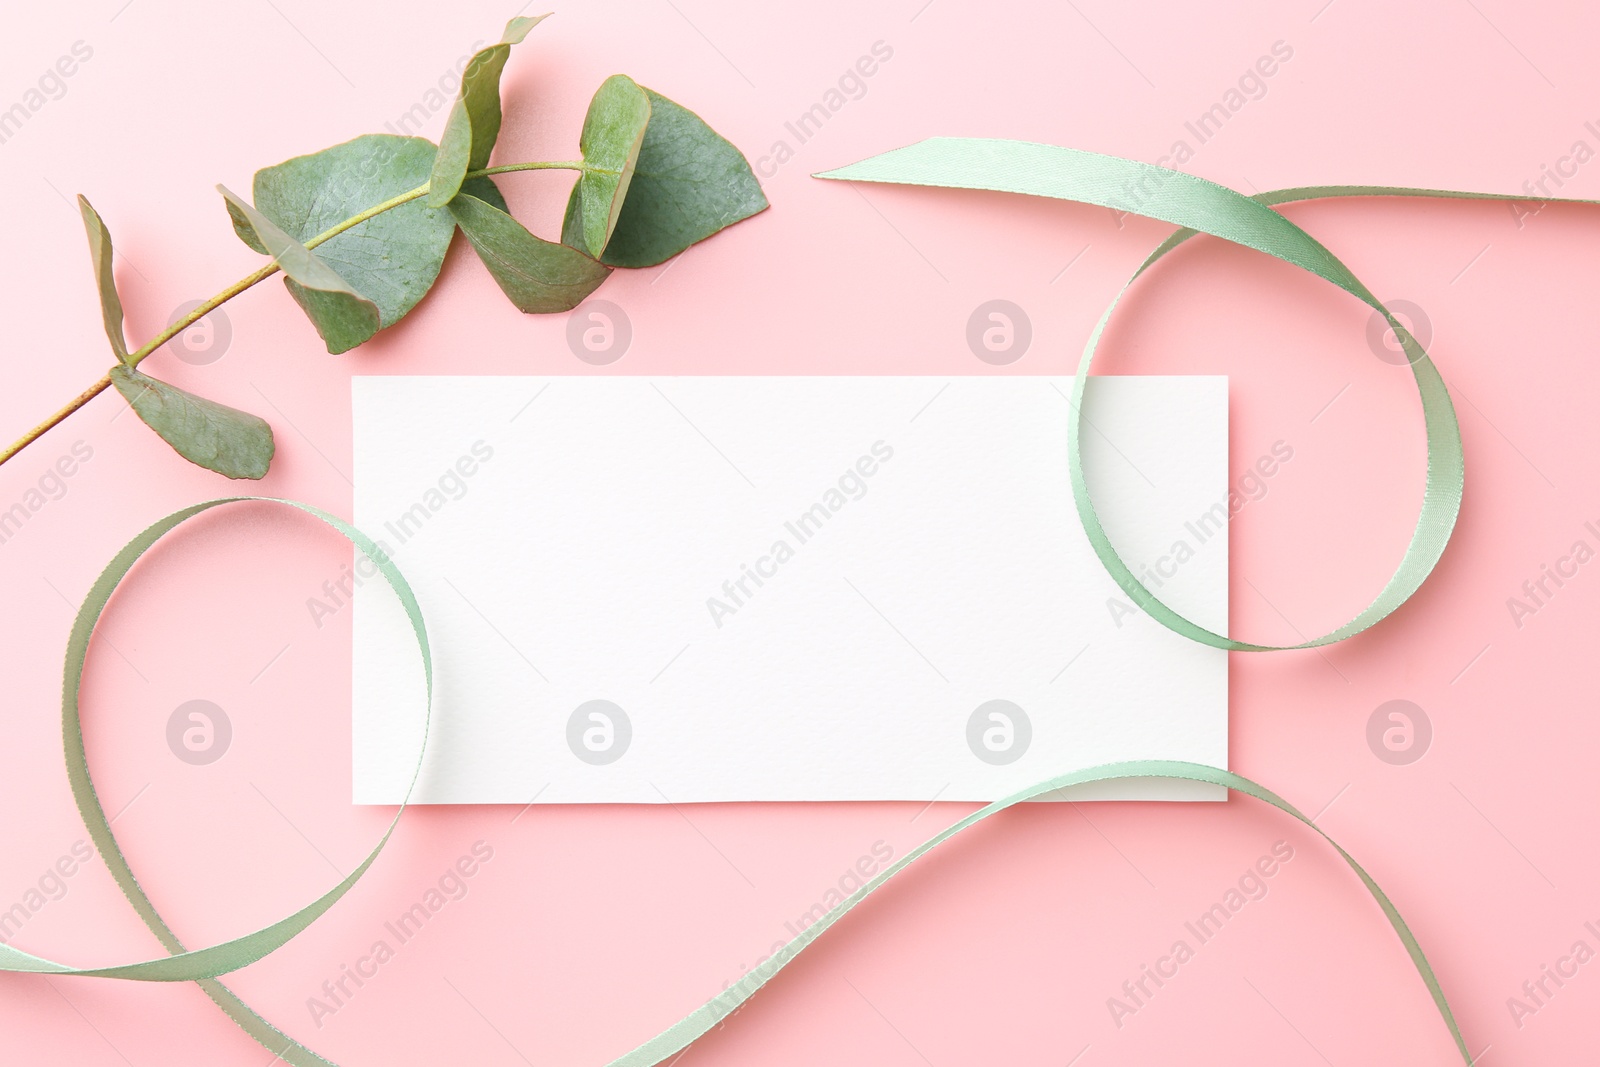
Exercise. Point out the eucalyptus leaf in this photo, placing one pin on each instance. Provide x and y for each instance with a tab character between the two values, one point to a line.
101	255
341	315
211	435
474	122
539	276
391	259
244	227
688	183
613	132
486	190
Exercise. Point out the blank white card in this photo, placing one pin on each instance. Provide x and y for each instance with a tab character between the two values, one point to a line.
742	588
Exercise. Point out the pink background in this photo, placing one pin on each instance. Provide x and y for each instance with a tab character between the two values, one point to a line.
592	928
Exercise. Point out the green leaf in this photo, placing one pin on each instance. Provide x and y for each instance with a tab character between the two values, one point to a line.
100	253
486	190
341	315
539	276
688	183
474	123
212	435
245	228
391	259
613	132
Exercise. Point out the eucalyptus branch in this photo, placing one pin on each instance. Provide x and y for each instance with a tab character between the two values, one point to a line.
654	179
248	281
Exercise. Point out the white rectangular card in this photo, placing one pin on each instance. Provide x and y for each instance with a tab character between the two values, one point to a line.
696	589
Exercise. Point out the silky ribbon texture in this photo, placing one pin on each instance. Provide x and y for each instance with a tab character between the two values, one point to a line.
1194	204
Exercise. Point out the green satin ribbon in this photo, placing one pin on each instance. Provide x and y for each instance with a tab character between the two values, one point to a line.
1196	205
1199	206
200	965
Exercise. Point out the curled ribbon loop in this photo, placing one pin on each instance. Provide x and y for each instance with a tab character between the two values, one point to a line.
200	965
1196	205
1201	206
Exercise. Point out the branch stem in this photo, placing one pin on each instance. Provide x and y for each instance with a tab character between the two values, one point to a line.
250	280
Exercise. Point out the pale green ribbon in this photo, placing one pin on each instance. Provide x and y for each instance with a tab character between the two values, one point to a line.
1197	205
200	965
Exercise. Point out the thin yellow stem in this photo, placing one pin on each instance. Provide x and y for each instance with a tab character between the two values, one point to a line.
250	280
38	431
